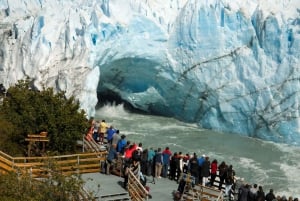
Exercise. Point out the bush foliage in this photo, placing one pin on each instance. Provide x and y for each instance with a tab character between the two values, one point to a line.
26	110
57	187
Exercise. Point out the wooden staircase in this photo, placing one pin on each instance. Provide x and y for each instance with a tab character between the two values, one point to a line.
90	145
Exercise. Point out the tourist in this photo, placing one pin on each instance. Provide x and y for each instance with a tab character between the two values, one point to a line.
129	151
135	168
110	132
150	165
116	138
137	154
283	198
153	173
89	135
140	147
194	168
158	163
253	193
278	198
222	170
111	158
127	146
243	192
200	163
121	143
185	163
173	166
96	131
144	161
270	196
213	171
205	171
260	194
179	166
103	129
229	181
166	161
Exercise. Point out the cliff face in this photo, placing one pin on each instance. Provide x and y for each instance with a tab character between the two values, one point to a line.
227	65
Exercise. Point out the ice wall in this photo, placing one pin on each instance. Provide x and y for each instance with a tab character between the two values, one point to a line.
227	65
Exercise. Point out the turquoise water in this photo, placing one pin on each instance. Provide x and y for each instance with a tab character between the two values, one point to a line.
269	164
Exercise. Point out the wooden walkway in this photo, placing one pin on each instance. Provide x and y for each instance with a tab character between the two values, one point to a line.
107	187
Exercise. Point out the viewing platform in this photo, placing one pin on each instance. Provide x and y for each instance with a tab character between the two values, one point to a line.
109	187
90	167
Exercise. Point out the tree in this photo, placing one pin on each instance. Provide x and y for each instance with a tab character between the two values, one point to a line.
26	110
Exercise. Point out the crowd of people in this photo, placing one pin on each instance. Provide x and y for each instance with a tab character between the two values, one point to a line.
254	192
163	163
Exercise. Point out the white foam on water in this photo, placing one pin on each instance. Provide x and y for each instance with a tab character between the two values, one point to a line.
290	165
112	111
130	133
261	175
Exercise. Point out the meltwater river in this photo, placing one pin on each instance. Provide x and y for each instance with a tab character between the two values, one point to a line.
268	164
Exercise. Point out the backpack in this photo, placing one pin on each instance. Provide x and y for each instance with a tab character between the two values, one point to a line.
136	155
229	177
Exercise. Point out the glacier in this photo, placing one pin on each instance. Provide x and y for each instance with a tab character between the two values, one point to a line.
227	65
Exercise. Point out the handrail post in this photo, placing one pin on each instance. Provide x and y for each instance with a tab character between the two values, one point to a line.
82	143
78	164
30	172
13	163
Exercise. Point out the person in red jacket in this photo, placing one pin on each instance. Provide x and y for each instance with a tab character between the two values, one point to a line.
129	151
213	171
166	154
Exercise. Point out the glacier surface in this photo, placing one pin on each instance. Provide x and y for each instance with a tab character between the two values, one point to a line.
228	65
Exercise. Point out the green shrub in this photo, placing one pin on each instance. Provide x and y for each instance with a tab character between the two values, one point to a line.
57	187
26	110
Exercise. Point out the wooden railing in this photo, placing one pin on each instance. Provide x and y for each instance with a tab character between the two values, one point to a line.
198	192
136	190
65	164
6	163
205	193
34	138
91	146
